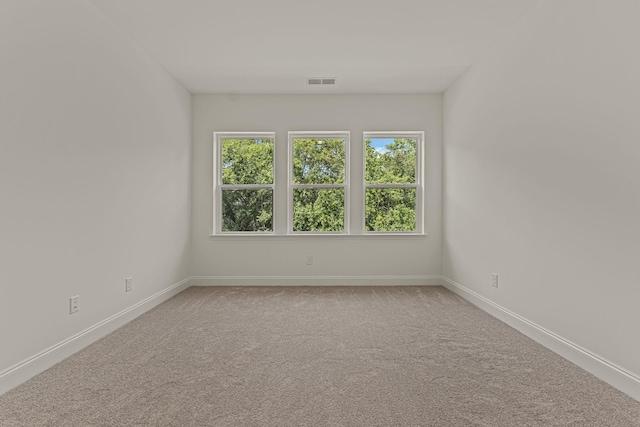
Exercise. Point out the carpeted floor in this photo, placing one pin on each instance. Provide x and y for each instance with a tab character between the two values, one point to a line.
316	356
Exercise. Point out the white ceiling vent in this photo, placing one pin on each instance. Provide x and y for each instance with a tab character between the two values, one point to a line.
321	80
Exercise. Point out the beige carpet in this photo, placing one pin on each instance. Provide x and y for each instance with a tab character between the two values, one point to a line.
307	356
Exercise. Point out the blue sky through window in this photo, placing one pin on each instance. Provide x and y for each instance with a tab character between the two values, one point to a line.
380	144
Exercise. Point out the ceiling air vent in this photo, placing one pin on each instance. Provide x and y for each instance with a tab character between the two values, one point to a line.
321	80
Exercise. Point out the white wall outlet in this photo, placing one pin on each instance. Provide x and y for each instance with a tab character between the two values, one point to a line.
74	304
494	280
309	260
128	284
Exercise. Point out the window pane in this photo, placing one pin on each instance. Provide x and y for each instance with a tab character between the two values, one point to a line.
390	209
247	210
318	209
390	160
318	160
247	161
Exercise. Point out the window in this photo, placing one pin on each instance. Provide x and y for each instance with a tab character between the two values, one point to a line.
393	182
243	182
318	182
251	184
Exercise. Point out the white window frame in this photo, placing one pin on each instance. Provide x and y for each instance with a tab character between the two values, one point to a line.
218	186
418	185
291	186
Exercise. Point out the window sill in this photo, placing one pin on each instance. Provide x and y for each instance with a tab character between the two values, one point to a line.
271	236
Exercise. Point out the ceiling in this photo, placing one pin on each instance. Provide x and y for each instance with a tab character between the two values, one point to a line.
260	46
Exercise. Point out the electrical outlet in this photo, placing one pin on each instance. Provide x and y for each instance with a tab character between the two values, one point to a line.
309	260
494	280
128	287
74	304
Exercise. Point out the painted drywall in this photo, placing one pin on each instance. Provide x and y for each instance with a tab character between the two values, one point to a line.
542	175
333	256
94	174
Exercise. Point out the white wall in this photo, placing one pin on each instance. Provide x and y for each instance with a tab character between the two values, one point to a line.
342	256
542	175
94	173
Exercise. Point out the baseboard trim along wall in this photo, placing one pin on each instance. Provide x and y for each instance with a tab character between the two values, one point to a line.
616	376
316	280
21	372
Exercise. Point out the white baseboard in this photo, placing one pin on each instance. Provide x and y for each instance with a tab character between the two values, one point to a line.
37	363
315	280
616	376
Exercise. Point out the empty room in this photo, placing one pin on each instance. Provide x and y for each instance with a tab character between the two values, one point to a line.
347	213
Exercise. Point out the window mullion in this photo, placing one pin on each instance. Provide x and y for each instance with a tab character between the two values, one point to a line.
318	185
391	186
247	186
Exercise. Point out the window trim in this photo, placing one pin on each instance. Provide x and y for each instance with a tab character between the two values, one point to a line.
345	185
418	185
277	231
218	186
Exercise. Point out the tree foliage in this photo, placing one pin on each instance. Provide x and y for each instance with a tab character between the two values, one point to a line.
391	209
247	210
318	161
247	161
396	164
318	209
